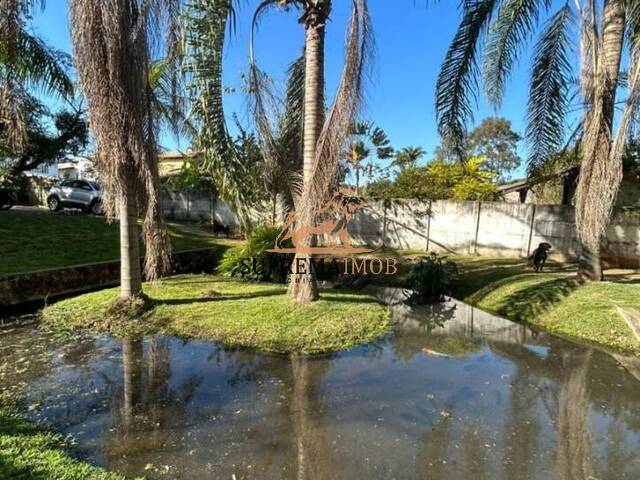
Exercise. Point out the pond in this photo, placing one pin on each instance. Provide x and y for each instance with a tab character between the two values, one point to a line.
453	393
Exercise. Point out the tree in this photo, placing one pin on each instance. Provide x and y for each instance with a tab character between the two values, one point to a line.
322	134
497	143
367	140
39	145
26	62
439	180
508	25
408	157
111	42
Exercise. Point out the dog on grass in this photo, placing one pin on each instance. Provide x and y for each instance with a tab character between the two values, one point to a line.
539	256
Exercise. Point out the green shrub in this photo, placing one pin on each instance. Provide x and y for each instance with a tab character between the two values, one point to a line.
430	279
240	261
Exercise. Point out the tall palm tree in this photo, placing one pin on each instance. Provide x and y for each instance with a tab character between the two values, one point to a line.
504	27
26	62
322	135
112	46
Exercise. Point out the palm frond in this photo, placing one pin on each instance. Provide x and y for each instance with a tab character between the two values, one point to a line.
43	67
291	128
207	22
457	81
507	38
548	90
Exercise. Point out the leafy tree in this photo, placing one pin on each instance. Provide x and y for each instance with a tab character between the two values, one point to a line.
40	145
494	140
501	29
439	180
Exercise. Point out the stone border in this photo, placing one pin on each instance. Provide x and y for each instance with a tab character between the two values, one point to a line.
39	287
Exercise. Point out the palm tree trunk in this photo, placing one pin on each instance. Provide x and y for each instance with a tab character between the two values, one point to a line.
357	179
303	287
130	272
613	26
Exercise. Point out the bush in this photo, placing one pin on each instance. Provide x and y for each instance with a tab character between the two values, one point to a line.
430	279
240	261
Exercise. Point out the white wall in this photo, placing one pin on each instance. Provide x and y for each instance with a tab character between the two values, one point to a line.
483	228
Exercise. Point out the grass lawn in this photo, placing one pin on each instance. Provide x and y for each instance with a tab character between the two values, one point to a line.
28	451
554	300
39	240
236	313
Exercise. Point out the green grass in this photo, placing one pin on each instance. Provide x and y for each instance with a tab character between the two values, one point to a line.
554	300
236	313
40	240
28	451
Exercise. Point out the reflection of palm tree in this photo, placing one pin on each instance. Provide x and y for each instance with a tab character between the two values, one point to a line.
147	400
312	456
131	364
574	456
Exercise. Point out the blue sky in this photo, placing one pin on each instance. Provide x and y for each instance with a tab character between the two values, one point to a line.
411	42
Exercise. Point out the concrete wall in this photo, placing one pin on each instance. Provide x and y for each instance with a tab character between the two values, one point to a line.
489	228
482	228
44	285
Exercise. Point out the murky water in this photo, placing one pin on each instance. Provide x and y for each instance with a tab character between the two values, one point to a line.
455	393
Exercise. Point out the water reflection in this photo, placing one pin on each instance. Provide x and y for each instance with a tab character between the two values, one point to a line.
454	393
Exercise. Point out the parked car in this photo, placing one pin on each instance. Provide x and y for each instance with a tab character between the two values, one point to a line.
82	194
7	198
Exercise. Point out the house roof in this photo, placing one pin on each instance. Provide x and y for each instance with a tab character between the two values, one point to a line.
527	183
174	155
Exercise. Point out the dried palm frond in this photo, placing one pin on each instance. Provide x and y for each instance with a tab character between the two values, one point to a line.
601	168
279	124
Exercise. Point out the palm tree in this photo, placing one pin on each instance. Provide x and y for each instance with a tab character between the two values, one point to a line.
366	139
504	26
356	153
408	157
322	137
26	61
111	42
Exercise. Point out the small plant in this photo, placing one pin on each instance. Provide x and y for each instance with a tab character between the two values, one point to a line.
430	279
253	261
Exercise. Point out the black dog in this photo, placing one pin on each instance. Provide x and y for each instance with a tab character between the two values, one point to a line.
220	228
539	256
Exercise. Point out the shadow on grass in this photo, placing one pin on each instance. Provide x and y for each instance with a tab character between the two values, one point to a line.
213	296
623	278
528	303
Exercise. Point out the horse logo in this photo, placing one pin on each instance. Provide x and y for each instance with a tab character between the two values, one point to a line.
332	218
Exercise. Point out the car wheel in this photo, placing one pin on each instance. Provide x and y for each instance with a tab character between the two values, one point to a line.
54	204
96	207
